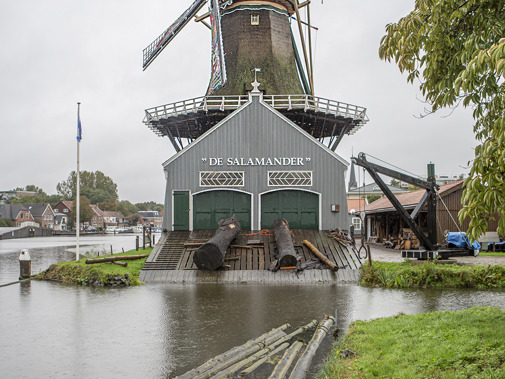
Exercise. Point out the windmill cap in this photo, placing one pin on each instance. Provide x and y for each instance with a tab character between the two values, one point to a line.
287	4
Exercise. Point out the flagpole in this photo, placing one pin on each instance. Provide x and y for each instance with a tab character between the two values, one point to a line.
77	184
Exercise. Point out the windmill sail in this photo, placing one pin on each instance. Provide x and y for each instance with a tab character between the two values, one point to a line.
218	73
154	49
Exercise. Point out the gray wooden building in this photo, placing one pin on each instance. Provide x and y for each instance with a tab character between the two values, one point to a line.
258	165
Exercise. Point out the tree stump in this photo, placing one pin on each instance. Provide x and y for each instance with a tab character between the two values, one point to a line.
210	256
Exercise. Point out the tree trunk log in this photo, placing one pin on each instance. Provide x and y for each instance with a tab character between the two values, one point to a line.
285	248
112	259
210	256
321	256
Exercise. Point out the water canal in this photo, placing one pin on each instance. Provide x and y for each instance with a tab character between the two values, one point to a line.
154	331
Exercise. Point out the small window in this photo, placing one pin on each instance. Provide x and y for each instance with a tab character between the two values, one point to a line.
65	210
255	19
356	221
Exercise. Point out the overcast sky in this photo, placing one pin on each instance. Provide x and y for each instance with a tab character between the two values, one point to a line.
58	52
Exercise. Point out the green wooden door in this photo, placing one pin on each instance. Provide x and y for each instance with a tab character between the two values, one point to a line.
212	206
181	210
299	208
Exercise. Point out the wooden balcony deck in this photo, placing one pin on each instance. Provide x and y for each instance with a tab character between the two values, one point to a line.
172	259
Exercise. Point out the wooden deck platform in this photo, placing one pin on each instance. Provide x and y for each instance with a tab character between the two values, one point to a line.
247	260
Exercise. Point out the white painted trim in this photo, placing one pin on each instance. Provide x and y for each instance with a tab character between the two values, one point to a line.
283	185
173	209
223	189
220	186
305	134
320	197
208	132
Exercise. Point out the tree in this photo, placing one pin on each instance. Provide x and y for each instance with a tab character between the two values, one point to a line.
85	211
395	183
6	223
457	51
96	186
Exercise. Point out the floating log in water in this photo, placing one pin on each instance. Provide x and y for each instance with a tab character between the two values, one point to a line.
210	256
321	256
286	361
112	259
302	366
284	242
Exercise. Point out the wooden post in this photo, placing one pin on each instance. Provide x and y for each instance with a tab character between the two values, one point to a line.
143	237
111	252
285	248
137	243
210	256
25	265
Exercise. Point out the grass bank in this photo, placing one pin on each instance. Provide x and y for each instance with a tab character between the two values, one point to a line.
98	274
431	274
464	344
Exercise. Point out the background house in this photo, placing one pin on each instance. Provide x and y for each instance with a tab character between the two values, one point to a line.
19	214
43	214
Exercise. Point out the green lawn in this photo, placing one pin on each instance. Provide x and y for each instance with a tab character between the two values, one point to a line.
98	273
431	274
465	344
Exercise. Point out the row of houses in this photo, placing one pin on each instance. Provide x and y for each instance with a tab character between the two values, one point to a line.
57	217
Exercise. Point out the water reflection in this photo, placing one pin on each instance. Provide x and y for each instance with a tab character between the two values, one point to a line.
154	331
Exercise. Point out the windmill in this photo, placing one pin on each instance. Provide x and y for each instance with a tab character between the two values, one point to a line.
251	36
246	35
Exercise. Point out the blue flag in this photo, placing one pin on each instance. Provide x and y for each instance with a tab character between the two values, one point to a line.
79	129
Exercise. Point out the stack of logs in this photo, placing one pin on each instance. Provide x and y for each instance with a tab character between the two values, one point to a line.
404	241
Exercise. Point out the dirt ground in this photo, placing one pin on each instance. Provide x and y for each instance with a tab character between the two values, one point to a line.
382	254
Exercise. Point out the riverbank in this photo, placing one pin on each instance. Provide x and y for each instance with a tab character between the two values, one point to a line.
98	274
431	274
462	344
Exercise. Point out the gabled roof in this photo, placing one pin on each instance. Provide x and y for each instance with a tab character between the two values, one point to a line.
38	209
97	210
11	211
409	199
66	203
271	109
116	214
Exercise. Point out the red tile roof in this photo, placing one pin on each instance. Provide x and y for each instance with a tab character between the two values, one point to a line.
408	199
355	204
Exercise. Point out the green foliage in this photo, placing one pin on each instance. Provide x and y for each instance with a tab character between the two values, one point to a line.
149	206
85	211
372	198
464	344
395	183
456	50
6	223
96	186
431	274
